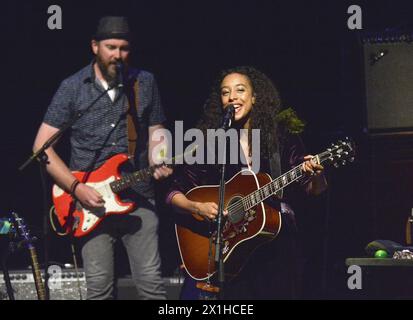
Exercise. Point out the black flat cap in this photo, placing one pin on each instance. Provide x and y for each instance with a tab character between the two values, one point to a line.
112	28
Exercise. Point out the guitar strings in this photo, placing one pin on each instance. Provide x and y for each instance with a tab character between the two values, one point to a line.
243	204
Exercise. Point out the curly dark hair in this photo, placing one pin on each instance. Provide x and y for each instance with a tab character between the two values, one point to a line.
263	114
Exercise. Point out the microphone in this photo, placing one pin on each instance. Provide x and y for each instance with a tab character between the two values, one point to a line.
119	74
229	112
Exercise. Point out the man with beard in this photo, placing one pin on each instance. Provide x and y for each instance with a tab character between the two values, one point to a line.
129	111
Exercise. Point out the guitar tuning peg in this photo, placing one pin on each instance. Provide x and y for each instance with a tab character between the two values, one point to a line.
336	165
351	159
343	163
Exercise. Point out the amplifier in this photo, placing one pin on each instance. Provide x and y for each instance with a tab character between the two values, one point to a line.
62	286
388	71
65	286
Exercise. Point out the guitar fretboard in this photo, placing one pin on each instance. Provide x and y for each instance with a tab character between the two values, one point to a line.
41	291
271	188
256	197
131	179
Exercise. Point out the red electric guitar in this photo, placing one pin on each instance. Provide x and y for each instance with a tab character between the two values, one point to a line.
106	180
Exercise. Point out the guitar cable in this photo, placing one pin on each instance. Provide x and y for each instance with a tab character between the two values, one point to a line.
76	268
52	212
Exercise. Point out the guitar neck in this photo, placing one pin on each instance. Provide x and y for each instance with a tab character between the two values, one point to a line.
131	179
41	292
275	185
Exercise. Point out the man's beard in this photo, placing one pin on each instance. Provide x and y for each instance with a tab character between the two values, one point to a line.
109	75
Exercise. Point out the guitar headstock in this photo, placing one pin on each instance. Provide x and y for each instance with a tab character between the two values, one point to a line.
21	227
339	153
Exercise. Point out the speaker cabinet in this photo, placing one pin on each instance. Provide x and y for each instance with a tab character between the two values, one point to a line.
66	287
388	68
63	287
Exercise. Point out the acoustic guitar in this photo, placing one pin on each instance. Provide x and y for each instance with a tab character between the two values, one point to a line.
250	222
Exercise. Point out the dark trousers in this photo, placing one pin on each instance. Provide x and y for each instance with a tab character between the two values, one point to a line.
272	272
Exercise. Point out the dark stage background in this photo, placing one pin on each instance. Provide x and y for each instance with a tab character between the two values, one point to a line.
304	46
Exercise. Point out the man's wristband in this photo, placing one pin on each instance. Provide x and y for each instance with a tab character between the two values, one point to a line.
73	187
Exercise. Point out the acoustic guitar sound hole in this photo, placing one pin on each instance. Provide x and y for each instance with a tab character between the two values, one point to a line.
236	210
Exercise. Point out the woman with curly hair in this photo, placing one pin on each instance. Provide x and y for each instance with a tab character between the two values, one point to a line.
272	270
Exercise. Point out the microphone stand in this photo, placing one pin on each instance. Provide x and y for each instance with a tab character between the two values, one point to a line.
218	242
42	157
40	154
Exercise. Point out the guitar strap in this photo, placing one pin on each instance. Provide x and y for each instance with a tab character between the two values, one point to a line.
132	116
